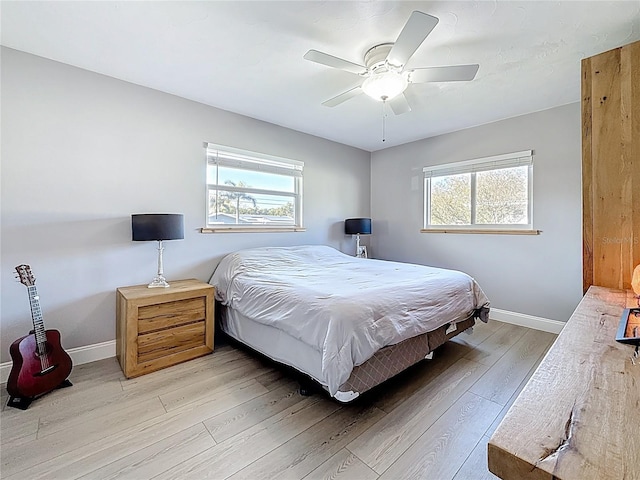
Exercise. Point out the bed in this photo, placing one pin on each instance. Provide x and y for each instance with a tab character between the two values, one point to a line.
348	323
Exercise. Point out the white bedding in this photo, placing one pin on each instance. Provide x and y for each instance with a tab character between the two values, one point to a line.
345	308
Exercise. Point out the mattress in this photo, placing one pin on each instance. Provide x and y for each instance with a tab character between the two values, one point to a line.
341	309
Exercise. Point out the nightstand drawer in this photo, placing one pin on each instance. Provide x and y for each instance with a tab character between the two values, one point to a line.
170	314
167	342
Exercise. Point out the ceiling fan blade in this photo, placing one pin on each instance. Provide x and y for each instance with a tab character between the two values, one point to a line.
343	97
399	104
452	73
334	62
417	28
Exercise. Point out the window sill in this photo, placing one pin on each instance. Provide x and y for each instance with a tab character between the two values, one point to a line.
223	229
495	231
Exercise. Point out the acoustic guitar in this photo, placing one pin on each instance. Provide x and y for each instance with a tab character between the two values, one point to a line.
40	364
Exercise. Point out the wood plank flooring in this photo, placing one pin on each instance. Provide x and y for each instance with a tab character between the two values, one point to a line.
233	415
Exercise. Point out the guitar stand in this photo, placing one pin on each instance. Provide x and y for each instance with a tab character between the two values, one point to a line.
23	402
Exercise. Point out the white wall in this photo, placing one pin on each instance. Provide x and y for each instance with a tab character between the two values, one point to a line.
81	152
535	275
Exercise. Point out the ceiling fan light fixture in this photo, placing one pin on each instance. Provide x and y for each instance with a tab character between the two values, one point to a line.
385	86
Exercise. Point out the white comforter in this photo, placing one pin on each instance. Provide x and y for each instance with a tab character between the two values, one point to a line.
346	308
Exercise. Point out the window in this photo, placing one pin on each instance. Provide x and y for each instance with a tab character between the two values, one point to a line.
248	190
487	193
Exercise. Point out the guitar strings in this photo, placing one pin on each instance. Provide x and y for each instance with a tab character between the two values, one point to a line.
40	334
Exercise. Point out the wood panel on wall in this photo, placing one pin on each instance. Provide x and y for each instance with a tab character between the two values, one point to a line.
611	166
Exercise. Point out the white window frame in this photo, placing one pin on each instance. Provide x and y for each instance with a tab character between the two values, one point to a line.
223	155
497	162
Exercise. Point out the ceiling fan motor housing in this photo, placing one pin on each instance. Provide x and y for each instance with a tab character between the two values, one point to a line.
375	59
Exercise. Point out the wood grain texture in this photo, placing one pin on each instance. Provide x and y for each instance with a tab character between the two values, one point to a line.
152	318
609	170
158	328
343	465
611	176
86	430
87	400
233	414
157	457
226	359
589	379
500	383
302	454
273	379
200	391
479	333
515	395
238	419
587	177
396	390
155	345
231	456
100	382
94	424
389	438
18	430
631	104
79	457
475	467
459	430
494	347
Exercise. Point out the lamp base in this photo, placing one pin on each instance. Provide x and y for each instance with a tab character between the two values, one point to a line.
159	282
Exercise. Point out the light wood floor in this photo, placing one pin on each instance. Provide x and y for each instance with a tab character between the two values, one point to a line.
231	415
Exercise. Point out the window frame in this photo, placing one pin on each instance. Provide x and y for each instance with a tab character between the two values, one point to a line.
223	155
472	167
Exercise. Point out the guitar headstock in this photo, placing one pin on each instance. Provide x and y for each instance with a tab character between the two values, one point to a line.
25	276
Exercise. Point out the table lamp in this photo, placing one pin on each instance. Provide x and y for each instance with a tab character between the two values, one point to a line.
157	226
357	227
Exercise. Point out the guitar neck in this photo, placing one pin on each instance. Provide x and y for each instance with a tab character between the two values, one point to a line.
36	315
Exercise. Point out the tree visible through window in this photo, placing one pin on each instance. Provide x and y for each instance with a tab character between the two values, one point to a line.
451	200
487	192
502	196
248	189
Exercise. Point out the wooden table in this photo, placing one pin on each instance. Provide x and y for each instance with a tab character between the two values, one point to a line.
578	417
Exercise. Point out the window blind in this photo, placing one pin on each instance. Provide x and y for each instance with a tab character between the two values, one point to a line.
228	157
508	160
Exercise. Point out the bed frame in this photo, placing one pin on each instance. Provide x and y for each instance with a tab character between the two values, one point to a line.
384	364
389	361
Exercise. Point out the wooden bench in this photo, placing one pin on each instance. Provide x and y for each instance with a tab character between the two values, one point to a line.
578	417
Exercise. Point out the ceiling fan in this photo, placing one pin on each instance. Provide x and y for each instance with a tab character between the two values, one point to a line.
385	76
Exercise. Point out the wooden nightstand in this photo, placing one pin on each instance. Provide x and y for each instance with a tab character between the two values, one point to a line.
160	327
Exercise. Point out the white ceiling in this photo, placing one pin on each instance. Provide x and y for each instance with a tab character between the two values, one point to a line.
246	57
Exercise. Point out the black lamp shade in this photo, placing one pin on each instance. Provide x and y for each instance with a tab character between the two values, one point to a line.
157	226
357	226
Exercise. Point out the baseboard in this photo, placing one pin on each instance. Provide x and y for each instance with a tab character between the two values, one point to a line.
529	321
79	355
100	351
